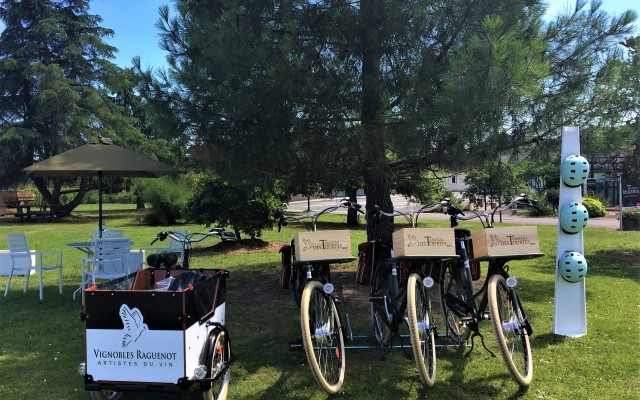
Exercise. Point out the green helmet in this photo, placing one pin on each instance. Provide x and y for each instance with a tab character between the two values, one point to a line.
573	217
572	266
574	170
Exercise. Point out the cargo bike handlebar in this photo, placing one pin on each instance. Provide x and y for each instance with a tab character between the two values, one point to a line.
168	259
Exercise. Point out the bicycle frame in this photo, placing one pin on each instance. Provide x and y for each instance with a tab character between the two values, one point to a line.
395	318
497	300
320	322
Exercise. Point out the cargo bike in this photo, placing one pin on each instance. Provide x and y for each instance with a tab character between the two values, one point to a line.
160	329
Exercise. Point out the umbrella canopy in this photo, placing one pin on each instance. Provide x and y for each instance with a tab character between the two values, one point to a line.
100	158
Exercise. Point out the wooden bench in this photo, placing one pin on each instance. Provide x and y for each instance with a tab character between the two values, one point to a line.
44	213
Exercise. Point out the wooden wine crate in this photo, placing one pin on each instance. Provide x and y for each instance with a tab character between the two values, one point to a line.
516	242
424	242
323	245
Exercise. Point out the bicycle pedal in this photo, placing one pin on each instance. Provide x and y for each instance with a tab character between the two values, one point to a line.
467	319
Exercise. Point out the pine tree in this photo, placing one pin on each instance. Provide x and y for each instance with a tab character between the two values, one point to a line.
383	89
55	81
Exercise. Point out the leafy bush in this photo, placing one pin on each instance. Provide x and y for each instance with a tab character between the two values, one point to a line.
242	204
167	197
552	197
594	207
631	214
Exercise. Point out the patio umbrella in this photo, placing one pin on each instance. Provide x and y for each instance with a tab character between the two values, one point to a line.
100	158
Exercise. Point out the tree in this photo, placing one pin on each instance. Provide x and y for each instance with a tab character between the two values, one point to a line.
395	88
244	205
58	90
495	181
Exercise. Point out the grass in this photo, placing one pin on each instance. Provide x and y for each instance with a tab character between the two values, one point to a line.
42	342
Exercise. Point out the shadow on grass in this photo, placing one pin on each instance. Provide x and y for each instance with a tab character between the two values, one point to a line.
615	264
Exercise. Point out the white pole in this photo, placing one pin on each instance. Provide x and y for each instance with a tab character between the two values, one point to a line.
570	304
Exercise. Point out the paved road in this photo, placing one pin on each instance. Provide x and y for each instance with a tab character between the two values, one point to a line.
401	203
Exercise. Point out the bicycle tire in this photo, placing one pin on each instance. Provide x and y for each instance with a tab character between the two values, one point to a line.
381	288
106	395
507	321
322	337
221	351
421	329
453	285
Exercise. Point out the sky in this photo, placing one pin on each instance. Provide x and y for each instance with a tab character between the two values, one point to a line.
133	22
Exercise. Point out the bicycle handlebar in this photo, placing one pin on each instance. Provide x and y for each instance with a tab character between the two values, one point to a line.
376	212
344	203
217	232
457	214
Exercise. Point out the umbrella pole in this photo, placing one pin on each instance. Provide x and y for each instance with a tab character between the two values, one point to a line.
100	204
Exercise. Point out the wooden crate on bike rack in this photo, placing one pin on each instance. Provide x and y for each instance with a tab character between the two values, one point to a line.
323	246
424	242
516	242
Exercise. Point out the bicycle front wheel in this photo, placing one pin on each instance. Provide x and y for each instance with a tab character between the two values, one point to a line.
508	327
421	329
322	337
220	353
452	292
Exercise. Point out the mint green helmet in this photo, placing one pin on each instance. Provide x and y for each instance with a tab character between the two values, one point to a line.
572	266
573	217
574	170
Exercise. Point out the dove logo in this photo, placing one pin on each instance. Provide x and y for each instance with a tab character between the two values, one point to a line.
134	325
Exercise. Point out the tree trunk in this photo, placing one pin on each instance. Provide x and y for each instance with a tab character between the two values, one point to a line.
139	202
53	197
376	173
352	215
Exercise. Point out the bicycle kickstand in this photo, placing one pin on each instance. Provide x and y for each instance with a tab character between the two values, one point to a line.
476	333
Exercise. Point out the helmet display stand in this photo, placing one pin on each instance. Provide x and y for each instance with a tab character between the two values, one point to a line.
570	305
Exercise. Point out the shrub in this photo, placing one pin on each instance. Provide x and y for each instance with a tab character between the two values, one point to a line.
632	214
594	207
167	197
244	205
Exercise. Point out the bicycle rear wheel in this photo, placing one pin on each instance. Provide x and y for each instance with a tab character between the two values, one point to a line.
381	307
322	337
508	327
421	329
452	287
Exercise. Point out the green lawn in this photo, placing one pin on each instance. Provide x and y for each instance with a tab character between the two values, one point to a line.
42	343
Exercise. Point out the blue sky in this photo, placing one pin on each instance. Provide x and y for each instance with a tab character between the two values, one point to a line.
136	35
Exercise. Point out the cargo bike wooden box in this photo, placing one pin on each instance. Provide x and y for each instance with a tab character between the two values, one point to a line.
157	330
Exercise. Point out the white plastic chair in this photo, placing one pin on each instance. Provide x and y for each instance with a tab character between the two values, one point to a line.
24	260
111	259
174	247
